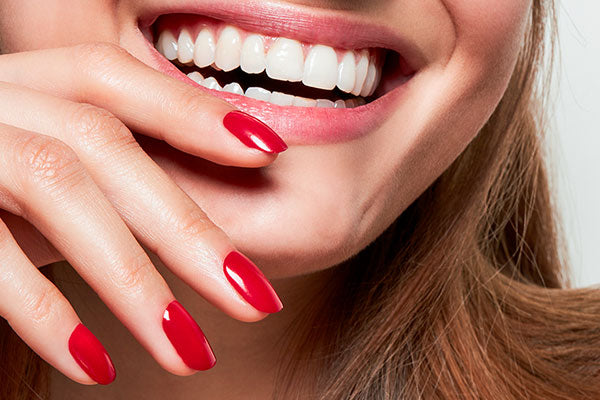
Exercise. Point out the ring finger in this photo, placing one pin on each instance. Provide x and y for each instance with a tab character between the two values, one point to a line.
48	186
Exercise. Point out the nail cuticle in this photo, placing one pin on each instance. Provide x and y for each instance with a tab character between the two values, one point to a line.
250	283
253	133
91	356
187	338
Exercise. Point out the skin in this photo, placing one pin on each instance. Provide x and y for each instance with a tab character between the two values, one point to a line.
294	226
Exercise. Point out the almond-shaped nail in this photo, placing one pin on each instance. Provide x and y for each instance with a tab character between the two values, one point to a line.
187	338
250	283
253	132
91	356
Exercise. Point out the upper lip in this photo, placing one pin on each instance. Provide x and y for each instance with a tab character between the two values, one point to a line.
340	29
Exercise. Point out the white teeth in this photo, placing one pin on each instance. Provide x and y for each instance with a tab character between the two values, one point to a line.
347	73
196	77
281	99
340	104
277	98
322	103
369	80
252	59
211	83
304	102
185	47
167	44
361	73
205	48
258	93
229	48
285	60
321	68
377	81
233	87
357	72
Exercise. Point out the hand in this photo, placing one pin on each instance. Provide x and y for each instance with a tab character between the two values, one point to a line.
71	168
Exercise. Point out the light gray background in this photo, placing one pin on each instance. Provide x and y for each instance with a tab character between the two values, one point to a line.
575	142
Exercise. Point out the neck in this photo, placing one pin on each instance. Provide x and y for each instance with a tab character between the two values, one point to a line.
248	354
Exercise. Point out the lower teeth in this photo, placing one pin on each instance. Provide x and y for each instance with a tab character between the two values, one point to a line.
278	98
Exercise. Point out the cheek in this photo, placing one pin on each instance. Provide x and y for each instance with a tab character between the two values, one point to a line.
489	30
33	24
489	35
489	17
451	102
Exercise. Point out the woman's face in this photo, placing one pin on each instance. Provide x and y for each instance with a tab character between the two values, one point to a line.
348	174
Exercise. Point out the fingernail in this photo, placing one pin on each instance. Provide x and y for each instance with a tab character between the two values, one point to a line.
91	356
253	132
187	338
254	287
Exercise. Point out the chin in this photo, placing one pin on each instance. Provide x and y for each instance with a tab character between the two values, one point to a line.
371	118
304	213
328	95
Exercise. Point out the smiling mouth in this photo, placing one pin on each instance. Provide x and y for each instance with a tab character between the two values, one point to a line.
315	76
278	70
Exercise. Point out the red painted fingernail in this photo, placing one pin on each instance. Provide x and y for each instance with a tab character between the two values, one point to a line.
247	279
91	356
253	132
187	338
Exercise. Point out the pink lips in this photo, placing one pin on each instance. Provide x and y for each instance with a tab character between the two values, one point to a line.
296	125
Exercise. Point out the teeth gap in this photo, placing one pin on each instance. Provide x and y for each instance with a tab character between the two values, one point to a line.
263	81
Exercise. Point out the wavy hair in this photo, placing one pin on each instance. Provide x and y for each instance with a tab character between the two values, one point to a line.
465	296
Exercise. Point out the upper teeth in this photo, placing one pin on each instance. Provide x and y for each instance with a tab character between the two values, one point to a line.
318	66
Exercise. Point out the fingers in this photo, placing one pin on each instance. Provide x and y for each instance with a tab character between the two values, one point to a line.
154	208
147	101
44	319
48	186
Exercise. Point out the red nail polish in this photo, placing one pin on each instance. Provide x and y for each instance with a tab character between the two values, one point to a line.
187	338
253	132
91	356
247	279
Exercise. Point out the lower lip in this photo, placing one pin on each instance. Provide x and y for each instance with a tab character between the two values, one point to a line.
303	125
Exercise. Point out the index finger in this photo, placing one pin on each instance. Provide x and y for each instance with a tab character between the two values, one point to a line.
147	101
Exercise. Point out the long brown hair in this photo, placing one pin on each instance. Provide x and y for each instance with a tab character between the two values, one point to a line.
463	297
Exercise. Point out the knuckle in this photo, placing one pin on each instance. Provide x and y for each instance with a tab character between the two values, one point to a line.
195	224
44	305
99	51
95	127
47	161
191	102
99	59
132	275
